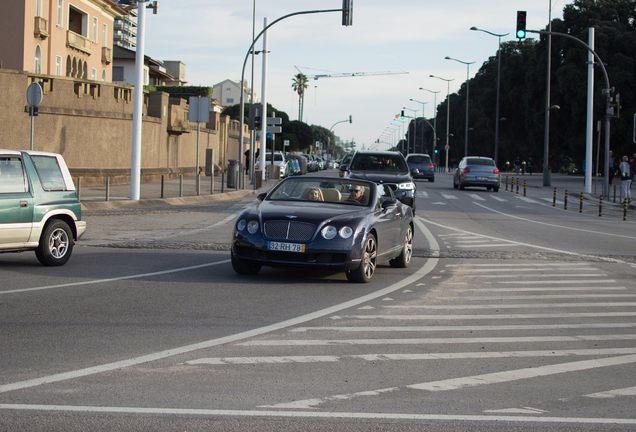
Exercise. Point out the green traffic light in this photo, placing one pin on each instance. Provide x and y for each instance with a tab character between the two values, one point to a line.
521	34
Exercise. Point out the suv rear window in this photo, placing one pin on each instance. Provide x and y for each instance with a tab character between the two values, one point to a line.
383	162
49	172
485	162
419	159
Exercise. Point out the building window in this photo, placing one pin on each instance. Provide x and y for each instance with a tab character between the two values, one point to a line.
60	13
104	75
94	74
78	22
38	60
95	29
146	76
58	65
118	73
105	35
229	100
38	8
229	89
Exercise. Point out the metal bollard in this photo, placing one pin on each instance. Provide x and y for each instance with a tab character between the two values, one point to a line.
614	193
581	204
107	188
512	185
524	187
79	188
554	198
600	206
506	182
162	186
180	185
625	209
198	184
565	203
212	183
517	185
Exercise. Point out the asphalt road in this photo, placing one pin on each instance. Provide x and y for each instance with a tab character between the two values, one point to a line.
514	315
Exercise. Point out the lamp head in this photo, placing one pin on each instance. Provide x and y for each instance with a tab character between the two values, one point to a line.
474	28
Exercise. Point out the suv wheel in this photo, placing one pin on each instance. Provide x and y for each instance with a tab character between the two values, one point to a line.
56	244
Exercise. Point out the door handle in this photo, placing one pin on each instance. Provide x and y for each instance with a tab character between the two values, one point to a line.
24	204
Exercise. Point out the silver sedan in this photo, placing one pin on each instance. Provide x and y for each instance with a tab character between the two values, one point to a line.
477	171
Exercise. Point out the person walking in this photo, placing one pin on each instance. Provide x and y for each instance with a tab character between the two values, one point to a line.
507	166
626	179
517	165
530	165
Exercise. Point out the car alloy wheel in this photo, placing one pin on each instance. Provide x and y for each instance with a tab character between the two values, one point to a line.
405	256
366	269
56	244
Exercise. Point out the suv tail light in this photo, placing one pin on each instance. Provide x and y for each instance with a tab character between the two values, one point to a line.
466	170
431	166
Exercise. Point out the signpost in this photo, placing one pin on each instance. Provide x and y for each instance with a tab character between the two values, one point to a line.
34	97
199	112
447	148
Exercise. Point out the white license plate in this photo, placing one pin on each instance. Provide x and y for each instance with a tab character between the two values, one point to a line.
481	178
286	247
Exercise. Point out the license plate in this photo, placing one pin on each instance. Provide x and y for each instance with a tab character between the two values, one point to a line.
286	247
482	178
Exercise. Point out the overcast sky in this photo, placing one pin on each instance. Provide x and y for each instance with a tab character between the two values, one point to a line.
212	38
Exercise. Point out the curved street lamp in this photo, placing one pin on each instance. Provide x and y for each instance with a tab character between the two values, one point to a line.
498	82
447	147
408	150
423	118
467	94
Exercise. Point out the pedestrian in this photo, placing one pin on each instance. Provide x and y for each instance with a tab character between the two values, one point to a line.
530	166
612	167
523	168
517	165
247	162
507	166
626	179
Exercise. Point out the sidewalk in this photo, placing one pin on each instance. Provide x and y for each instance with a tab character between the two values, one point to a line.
174	193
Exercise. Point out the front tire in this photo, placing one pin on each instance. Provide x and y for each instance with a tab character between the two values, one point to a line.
366	269
243	268
404	259
56	244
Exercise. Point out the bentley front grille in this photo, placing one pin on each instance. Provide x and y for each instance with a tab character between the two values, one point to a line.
289	230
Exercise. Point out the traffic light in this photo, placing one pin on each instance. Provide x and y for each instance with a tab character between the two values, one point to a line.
255	121
521	24
350	119
436	151
402	115
347	12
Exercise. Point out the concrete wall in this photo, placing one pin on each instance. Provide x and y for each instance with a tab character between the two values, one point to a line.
90	124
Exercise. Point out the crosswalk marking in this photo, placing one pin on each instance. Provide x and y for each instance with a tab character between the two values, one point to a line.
580	288
466	328
477	197
516	306
494	317
629	391
448	196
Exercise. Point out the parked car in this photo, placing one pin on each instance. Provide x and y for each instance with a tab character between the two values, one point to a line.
384	167
353	226
298	164
477	171
344	162
279	161
423	164
312	164
39	209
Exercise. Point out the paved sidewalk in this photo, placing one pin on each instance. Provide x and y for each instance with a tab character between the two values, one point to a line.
174	193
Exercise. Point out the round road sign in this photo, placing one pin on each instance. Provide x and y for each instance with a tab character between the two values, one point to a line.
34	94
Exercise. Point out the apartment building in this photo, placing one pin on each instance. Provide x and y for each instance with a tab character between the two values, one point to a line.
228	93
71	38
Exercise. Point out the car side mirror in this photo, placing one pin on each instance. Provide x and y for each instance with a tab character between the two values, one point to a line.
261	196
386	204
344	167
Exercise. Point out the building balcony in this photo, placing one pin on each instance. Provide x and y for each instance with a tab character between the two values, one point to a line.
107	55
41	28
79	42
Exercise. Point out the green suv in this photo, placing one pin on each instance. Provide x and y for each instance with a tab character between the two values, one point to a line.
39	209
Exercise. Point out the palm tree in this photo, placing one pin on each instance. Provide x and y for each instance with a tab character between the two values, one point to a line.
299	84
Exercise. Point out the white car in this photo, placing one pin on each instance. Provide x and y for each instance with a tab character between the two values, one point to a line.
279	161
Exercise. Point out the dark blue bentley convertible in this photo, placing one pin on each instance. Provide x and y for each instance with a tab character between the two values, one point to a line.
324	222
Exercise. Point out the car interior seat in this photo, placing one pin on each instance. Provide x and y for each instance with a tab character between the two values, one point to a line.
331	195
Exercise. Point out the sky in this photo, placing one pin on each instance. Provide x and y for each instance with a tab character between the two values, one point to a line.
212	37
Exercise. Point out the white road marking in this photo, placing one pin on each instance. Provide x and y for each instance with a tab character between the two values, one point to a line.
498	199
494	317
570	281
523	410
518	275
538	297
422	194
466	328
438	203
487	245
517	265
433	341
520	269
526	199
629	391
616	288
519	374
99	281
517	306
476	197
448	196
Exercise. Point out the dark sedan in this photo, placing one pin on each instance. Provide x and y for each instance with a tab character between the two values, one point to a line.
477	171
324	222
424	166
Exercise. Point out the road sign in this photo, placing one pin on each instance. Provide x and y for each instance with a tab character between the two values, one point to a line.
199	109
286	143
34	94
274	129
274	121
446	147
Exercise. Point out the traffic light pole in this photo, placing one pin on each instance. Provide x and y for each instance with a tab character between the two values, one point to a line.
607	91
242	103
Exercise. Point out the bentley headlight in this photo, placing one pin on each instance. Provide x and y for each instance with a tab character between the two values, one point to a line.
241	225
346	232
252	227
329	232
406	186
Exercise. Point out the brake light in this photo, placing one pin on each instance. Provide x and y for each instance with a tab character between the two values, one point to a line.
431	166
496	171
466	170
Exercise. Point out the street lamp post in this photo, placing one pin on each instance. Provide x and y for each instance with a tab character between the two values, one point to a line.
467	94
498	83
434	119
414	132
329	136
447	147
423	118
